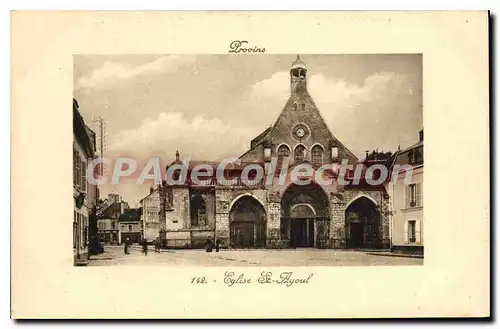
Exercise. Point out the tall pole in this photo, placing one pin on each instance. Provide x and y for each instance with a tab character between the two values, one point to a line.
163	216
102	139
101	130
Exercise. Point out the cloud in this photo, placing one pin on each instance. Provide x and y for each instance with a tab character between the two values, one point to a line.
362	115
112	72
198	138
277	86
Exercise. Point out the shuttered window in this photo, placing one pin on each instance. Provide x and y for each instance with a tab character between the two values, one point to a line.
75	228
418	237
412	232
83	184
76	168
414	195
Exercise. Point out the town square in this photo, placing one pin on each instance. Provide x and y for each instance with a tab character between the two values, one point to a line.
114	256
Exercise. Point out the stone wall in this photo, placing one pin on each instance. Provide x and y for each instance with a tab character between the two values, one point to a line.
210	204
179	218
337	221
274	220
307	114
384	222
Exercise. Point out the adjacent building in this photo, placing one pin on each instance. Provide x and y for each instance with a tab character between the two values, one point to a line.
130	225
150	216
85	195
108	219
281	214
407	199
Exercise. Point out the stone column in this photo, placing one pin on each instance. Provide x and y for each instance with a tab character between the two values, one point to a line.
315	225
273	220
385	239
222	219
337	221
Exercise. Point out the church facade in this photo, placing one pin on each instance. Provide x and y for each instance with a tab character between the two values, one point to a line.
283	214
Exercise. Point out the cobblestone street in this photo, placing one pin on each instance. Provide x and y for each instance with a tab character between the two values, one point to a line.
256	257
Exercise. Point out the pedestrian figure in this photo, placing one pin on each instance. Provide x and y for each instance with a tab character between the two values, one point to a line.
127	241
217	245
145	247
157	245
209	244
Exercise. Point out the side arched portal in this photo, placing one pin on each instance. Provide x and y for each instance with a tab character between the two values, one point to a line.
247	223
363	224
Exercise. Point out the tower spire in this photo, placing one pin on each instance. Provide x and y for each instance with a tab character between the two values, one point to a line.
298	74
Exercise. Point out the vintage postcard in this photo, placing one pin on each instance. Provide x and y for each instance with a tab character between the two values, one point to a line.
251	167
218	159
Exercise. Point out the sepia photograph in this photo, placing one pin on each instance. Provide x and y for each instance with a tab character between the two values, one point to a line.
248	160
250	157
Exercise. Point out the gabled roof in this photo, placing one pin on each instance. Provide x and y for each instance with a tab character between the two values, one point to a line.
82	133
114	208
414	146
403	156
130	215
304	95
257	140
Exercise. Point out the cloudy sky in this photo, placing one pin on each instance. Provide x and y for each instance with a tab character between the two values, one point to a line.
209	107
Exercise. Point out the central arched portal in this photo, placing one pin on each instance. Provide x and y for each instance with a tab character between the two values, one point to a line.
247	223
305	216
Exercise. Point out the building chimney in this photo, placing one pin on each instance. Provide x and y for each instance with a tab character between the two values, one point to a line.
421	136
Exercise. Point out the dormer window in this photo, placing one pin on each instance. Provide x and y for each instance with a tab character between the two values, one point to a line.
335	153
267	153
295	106
303	106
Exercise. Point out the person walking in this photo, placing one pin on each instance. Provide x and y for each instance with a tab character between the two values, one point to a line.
145	247
127	242
157	245
209	245
217	245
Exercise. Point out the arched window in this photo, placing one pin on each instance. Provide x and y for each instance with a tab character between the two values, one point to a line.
198	210
283	151
299	153
317	155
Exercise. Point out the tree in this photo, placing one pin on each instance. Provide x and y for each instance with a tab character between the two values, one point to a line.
378	155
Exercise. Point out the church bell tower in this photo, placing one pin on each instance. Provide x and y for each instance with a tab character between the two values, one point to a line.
298	75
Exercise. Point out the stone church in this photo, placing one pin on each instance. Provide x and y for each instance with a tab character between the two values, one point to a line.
280	215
